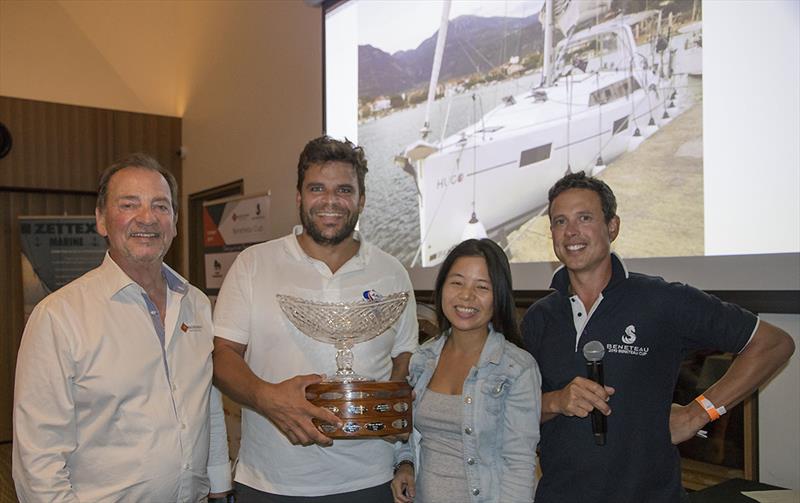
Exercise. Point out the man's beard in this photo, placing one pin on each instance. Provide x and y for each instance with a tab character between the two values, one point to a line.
316	233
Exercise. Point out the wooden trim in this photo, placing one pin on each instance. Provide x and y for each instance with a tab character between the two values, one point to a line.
697	475
424	296
526	298
44	190
750	413
236	187
757	301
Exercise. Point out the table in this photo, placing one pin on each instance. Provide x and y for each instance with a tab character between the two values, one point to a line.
729	491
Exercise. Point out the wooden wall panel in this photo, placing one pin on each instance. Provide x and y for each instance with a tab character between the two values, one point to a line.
55	146
65	147
156	135
52	169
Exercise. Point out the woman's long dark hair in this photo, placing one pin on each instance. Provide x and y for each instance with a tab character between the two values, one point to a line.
504	317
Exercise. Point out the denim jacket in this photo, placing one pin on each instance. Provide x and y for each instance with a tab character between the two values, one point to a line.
500	430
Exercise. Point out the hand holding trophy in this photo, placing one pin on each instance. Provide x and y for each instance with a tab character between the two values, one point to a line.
366	407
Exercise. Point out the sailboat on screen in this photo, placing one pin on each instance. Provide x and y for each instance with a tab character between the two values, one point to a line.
604	87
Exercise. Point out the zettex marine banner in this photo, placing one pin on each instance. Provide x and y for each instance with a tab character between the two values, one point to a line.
229	226
55	251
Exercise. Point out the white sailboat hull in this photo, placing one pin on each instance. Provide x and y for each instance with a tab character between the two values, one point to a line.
508	172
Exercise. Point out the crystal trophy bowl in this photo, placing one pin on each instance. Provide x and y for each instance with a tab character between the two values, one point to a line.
367	408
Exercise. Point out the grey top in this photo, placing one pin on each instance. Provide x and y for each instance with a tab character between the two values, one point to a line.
441	477
499	419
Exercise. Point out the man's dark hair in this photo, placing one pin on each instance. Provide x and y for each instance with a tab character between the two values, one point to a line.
579	180
504	319
136	160
326	149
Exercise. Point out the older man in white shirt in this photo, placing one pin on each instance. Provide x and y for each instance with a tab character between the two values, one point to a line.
113	398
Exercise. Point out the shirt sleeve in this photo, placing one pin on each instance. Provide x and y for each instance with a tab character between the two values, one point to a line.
219	469
709	323
44	412
521	436
232	310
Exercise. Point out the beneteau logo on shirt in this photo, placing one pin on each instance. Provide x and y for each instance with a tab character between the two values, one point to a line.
191	328
627	348
630	335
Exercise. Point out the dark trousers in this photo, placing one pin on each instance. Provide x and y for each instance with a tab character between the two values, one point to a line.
377	494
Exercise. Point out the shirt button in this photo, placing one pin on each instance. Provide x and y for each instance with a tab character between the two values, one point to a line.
174	387
468	399
476	491
470	461
186	466
183	426
580	314
468	430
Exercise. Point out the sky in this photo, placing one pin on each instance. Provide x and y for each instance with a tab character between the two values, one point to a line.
412	21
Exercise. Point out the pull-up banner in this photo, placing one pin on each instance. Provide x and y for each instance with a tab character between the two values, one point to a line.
229	226
55	251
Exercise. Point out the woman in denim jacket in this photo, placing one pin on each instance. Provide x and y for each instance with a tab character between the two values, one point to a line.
477	404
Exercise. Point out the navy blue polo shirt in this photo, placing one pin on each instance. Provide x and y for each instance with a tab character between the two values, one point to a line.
646	325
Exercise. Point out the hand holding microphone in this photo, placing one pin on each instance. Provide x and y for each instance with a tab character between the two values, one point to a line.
594	351
580	397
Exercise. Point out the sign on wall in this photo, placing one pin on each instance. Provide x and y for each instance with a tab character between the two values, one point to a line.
55	251
229	226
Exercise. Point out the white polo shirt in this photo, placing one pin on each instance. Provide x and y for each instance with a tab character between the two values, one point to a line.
247	312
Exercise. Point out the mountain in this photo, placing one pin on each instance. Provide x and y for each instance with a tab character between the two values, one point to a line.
379	73
474	45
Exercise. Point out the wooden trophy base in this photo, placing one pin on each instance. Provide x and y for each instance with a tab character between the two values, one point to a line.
367	408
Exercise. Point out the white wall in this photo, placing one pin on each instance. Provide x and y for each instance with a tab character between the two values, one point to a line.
779	416
253	97
117	55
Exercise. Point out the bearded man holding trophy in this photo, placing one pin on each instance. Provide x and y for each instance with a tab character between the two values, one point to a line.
318	301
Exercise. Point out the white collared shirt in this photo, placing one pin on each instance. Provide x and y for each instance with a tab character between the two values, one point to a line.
103	411
247	312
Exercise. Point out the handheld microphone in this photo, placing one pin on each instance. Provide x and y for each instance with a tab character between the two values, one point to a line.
594	351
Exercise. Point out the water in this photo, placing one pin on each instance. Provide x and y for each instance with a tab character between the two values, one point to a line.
391	219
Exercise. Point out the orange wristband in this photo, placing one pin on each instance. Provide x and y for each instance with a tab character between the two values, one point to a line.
713	412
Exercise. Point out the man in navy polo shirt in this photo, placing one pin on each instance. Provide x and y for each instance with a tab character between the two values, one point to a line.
645	326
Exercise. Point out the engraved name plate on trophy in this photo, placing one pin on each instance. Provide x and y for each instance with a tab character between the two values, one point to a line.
367	408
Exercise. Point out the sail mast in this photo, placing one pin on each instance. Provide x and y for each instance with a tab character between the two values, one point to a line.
437	65
547	67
